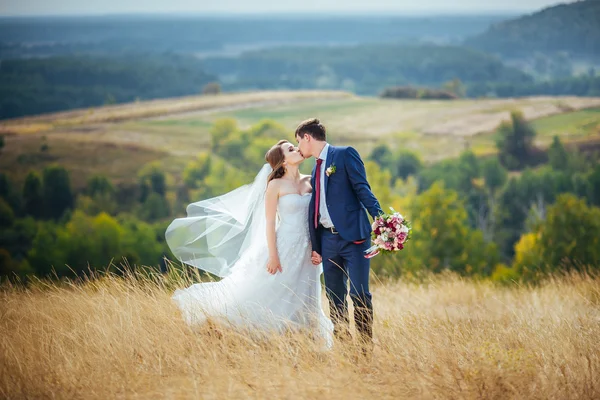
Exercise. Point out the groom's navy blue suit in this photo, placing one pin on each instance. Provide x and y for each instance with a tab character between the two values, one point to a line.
348	197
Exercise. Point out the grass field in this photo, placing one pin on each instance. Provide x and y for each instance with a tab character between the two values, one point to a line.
446	338
173	131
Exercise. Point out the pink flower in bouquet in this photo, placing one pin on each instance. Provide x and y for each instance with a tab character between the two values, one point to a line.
389	233
402	237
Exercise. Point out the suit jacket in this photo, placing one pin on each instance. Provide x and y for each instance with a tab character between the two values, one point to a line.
348	197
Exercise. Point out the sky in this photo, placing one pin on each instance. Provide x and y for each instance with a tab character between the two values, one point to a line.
90	7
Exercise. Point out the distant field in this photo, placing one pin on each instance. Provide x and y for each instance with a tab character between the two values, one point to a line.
435	129
173	131
570	125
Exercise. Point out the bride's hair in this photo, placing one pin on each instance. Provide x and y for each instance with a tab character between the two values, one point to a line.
275	158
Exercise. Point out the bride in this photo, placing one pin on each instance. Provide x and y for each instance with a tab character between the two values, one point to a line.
256	238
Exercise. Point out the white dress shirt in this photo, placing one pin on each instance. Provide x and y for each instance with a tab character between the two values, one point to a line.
325	218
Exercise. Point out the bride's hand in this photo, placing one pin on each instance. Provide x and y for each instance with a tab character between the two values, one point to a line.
273	265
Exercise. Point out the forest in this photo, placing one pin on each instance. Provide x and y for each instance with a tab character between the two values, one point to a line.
519	215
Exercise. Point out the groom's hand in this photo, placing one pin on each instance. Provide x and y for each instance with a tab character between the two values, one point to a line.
316	258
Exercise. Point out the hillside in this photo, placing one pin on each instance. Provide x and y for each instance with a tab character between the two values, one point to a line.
573	28
363	69
43	85
204	35
119	140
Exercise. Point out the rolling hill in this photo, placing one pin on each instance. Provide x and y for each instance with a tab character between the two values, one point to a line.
42	85
573	28
119	140
362	69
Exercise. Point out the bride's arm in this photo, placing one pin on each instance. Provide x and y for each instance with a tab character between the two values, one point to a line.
271	197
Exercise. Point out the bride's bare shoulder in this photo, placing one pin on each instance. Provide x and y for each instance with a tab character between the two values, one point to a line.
305	177
274	185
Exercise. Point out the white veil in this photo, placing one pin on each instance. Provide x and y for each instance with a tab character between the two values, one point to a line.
217	231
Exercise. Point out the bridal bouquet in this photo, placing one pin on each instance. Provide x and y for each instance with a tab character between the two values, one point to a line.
390	232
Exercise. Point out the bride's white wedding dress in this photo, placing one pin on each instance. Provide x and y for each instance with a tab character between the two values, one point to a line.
251	298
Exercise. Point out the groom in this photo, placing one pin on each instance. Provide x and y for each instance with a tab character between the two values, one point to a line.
340	230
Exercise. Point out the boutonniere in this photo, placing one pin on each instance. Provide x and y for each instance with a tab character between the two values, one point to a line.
331	170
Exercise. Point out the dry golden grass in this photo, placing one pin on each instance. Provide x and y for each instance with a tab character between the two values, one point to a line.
447	338
159	107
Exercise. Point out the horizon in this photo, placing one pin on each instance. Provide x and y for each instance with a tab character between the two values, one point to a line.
132	8
249	15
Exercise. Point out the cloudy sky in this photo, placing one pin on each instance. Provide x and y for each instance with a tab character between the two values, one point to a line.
66	7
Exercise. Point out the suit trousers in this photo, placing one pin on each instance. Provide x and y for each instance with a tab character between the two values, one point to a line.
343	263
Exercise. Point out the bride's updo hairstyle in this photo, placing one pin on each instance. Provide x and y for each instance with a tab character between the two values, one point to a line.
275	158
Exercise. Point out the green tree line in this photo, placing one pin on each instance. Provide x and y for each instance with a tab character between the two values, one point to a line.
518	215
364	69
569	27
35	86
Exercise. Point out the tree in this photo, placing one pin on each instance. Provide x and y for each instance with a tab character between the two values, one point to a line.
268	128
568	238
222	179
99	185
100	197
8	193
221	130
139	242
46	252
527	262
110	99
379	180
442	237
494	175
456	87
540	63
33	197
5	187
6	263
515	143
211	88
383	156
468	171
593	188
407	163
253	155
571	233
58	196
7	216
197	170
558	155
155	207
152	180
561	66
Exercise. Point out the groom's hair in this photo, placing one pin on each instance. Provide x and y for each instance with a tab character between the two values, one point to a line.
312	127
